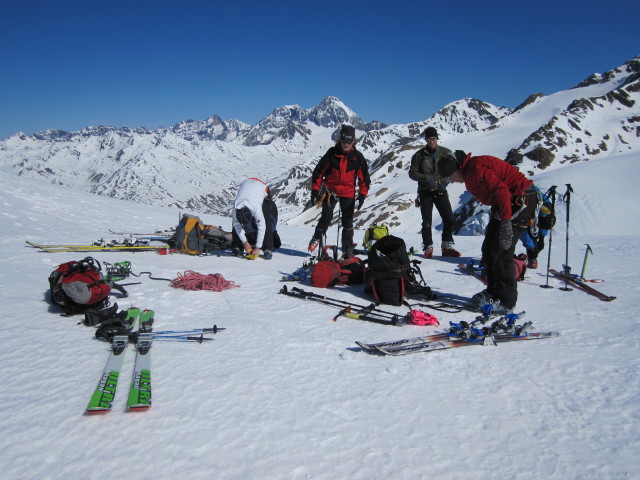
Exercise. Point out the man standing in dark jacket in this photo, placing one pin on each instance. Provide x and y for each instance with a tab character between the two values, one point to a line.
334	180
432	190
513	201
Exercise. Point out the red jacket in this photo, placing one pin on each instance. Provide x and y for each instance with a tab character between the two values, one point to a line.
341	171
493	182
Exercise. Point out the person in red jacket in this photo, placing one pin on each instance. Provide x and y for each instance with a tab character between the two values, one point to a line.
342	175
513	200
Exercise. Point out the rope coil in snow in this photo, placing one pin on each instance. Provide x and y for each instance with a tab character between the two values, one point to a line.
191	280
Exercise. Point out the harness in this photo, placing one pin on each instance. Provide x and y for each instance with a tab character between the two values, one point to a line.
325	195
521	201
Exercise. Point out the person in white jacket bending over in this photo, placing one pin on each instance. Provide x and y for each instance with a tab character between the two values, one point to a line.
254	218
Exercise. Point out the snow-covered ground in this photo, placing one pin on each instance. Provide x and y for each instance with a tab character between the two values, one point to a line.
284	393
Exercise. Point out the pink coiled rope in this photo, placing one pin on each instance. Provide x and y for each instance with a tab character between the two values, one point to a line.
191	280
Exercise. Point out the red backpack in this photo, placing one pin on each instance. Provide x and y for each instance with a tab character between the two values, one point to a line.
77	286
327	273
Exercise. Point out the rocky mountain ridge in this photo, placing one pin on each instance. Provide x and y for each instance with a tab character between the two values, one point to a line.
195	165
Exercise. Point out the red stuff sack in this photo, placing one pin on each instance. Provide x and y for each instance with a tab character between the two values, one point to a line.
326	273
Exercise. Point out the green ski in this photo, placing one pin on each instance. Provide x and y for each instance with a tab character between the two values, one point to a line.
140	390
104	394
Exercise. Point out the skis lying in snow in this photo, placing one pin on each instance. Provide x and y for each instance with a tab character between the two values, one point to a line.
140	389
453	342
104	394
460	334
109	247
120	336
157	233
474	271
300	274
102	398
577	282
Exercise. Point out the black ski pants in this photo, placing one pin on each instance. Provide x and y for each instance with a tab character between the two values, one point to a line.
498	263
440	200
347	209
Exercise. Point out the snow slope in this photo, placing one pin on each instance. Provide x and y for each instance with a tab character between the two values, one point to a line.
284	393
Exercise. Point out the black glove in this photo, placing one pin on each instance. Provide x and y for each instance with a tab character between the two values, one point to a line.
361	198
506	234
314	196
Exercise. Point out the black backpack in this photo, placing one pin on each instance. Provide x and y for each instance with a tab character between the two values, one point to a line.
388	261
391	275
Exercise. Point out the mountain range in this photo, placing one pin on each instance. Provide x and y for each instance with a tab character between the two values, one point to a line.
196	165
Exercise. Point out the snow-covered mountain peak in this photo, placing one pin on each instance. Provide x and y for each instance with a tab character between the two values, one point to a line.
332	112
195	165
626	73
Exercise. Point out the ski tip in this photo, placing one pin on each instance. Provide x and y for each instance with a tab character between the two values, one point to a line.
138	408
96	411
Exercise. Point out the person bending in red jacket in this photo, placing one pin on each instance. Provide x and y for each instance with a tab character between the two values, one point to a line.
513	200
344	172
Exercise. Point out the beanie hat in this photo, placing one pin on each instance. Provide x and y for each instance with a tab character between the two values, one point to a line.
447	165
347	132
430	132
460	156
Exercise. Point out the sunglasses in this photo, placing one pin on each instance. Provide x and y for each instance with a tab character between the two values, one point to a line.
432	139
347	140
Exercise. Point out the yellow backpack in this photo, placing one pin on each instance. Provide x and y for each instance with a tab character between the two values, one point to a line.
189	237
373	234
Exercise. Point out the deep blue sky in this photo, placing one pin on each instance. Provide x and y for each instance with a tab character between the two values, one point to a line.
70	64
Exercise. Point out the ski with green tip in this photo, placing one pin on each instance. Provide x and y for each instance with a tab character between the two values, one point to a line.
105	392
140	389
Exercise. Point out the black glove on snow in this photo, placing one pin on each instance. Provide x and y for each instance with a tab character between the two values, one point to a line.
361	198
506	234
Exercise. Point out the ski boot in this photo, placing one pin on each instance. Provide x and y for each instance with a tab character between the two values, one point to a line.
448	250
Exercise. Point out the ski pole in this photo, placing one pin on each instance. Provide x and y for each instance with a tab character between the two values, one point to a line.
361	312
584	262
335	251
552	193
567	200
